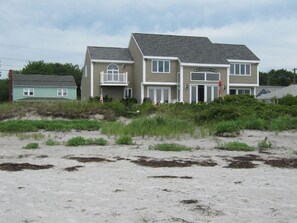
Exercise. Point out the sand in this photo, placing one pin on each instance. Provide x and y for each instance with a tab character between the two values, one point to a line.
117	187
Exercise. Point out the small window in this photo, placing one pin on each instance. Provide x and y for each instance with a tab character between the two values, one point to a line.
237	68
62	92
28	91
240	69
128	93
155	66
212	77
232	91
197	76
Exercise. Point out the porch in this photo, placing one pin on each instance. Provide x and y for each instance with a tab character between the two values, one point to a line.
114	79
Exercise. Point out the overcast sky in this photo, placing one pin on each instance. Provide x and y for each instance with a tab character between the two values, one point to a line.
60	30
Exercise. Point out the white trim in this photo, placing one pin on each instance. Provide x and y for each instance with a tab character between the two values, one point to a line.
112	61
160	58
141	93
244	88
204	65
28	90
181	79
205	92
255	91
239	69
228	80
160	83
243	61
243	85
92	80
128	89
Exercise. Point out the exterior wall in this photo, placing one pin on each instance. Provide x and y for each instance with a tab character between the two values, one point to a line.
162	77
43	93
86	80
246	79
107	90
188	82
137	69
114	92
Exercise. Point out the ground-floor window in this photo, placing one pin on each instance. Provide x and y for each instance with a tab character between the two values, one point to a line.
62	92
235	91
28	91
128	93
203	93
159	94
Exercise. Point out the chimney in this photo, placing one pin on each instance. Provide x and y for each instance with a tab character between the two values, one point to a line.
10	74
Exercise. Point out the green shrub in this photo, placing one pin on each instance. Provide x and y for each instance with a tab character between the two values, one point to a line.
236	146
124	140
35	136
81	141
232	127
51	142
31	146
169	147
254	123
265	144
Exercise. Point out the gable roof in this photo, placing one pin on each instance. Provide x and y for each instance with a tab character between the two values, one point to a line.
43	80
109	53
188	49
292	90
236	52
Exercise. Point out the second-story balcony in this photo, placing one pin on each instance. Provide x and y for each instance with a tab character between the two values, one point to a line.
114	79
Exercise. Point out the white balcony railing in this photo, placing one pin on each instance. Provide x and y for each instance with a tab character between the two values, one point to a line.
117	79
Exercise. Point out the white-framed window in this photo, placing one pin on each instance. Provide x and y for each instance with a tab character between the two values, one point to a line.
28	91
205	76
240	69
236	91
128	93
203	93
62	92
160	66
159	95
112	72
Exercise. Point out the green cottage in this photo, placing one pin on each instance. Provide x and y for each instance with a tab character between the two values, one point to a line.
27	87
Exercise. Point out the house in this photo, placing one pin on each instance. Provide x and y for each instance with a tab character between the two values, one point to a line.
25	87
263	89
169	68
280	93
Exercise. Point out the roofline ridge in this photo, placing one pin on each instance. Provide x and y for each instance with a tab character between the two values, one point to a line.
178	35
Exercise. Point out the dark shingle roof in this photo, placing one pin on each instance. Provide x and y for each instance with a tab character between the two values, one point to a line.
191	49
110	53
236	52
43	80
188	49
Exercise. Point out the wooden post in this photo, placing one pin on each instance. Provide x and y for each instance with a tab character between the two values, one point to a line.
10	76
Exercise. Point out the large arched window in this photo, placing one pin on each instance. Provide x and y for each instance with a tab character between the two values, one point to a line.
113	72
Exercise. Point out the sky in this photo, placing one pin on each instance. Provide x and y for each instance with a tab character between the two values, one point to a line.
60	30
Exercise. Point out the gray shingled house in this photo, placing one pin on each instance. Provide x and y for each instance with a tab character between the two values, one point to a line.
169	68
42	87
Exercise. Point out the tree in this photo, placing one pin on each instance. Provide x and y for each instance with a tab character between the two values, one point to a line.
40	67
280	77
3	90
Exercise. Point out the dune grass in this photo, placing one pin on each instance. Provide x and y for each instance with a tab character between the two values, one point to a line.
170	147
81	141
124	140
150	126
236	146
32	145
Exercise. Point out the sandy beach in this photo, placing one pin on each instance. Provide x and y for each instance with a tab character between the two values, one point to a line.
130	183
